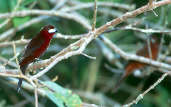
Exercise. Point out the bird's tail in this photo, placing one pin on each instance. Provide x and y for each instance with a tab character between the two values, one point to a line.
19	84
23	69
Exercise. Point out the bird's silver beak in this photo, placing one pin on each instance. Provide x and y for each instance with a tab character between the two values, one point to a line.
56	34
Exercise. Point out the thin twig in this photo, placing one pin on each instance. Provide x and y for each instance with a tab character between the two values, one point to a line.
36	97
94	15
9	61
15	53
88	56
131	14
79	46
149	48
89	105
140	97
149	30
134	57
17	42
61	36
80	5
16	59
150	3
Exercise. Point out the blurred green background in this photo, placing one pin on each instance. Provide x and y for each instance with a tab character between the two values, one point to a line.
91	80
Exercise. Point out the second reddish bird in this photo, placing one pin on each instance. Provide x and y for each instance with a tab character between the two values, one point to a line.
133	65
35	48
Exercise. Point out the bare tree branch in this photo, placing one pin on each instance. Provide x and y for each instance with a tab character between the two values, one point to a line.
79	46
135	57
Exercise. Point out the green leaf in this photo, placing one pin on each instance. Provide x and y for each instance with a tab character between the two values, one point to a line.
61	96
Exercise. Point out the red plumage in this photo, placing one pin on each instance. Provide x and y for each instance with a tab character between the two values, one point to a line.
35	48
133	65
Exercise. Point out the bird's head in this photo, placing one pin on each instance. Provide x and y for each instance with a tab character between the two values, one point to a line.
48	31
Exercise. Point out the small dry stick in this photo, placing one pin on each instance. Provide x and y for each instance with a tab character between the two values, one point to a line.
145	92
94	15
88	56
149	47
151	3
9	60
55	78
149	30
36	97
15	53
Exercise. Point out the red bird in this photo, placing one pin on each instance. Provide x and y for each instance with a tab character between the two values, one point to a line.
35	48
133	65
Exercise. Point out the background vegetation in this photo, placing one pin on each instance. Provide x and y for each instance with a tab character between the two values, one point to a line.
91	81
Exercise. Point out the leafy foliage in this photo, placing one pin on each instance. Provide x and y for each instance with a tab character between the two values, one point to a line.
61	96
80	73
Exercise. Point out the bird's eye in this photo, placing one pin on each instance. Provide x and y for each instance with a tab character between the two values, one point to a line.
52	30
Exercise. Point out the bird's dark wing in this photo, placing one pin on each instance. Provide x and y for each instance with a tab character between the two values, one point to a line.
33	45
